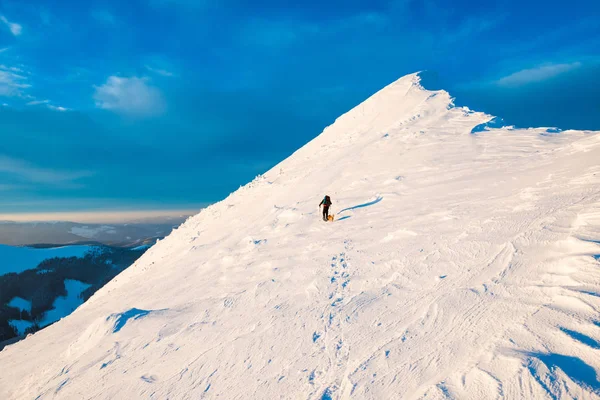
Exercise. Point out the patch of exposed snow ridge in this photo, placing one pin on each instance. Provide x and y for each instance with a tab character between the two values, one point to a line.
460	265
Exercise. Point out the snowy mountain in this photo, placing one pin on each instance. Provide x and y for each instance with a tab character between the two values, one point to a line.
462	264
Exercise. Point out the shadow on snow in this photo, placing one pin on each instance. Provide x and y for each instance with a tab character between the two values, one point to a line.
575	368
121	319
377	200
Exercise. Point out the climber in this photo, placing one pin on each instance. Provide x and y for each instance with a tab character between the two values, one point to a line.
326	202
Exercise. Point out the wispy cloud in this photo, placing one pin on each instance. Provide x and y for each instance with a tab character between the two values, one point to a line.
12	82
48	105
130	96
58	108
29	173
15	29
38	102
160	71
3	49
537	74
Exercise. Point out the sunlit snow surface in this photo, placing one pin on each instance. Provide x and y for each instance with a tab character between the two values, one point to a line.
464	265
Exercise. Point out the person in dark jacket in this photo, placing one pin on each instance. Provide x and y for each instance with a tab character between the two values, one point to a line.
326	203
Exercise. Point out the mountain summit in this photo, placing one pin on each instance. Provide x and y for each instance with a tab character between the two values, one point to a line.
462	263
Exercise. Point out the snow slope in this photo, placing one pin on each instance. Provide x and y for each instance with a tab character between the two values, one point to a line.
461	265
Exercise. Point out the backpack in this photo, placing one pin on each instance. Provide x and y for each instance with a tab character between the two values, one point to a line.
327	201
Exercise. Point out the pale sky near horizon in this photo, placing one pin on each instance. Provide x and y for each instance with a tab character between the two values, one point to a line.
99	217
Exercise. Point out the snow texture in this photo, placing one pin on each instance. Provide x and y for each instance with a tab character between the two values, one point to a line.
466	267
19	259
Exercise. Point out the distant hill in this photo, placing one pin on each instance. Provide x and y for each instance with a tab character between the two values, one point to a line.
64	232
47	269
39	286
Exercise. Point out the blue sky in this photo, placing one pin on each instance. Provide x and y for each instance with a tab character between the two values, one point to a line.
172	104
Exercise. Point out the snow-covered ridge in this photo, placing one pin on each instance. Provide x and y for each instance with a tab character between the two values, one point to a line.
461	265
396	104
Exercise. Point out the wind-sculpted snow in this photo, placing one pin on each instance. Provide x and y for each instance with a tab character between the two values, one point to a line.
463	265
122	318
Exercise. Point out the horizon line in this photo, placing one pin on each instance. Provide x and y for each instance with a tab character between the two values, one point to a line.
99	216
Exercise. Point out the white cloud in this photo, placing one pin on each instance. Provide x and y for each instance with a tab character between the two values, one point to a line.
11	82
48	105
130	96
14	28
58	108
537	74
14	82
159	71
37	102
2	50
